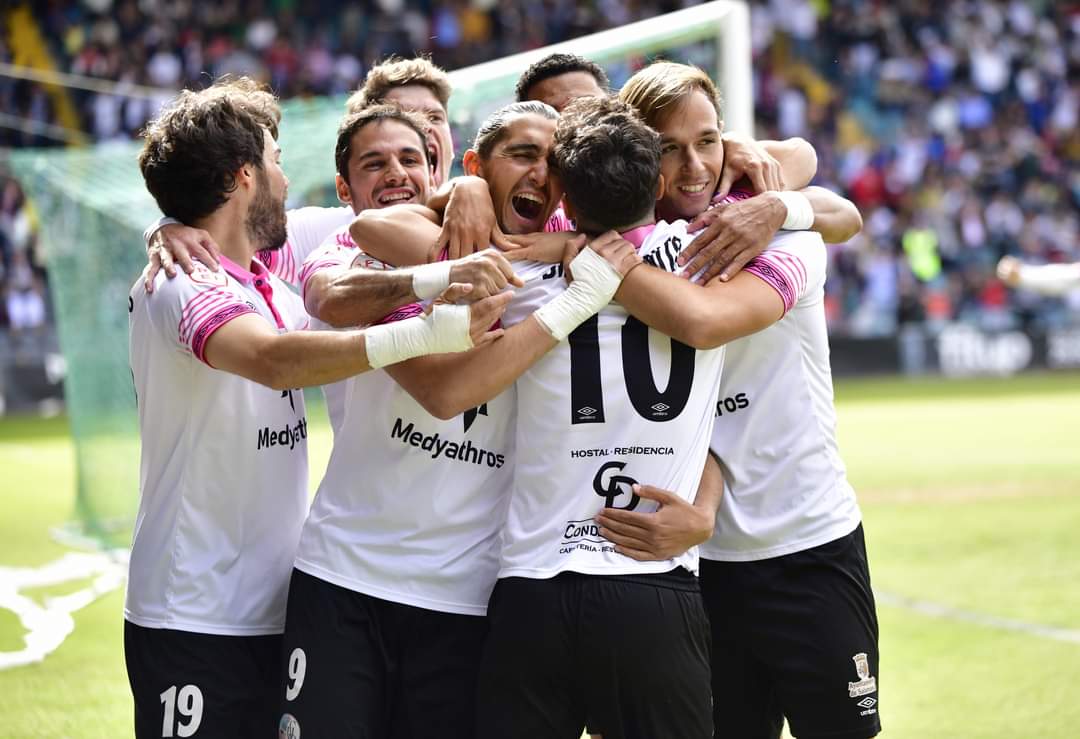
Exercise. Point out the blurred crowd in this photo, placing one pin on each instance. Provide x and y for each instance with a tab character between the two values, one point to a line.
953	126
22	277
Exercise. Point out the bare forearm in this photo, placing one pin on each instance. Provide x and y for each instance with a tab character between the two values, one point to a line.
290	360
401	235
702	317
1050	279
798	160
835	218
446	385
357	297
711	487
308	358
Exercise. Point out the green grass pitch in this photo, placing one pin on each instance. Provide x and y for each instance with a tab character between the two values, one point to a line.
971	497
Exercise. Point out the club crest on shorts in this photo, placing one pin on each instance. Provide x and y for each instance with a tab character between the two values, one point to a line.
866	682
288	727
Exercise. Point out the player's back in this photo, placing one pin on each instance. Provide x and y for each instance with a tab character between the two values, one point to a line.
775	435
616	403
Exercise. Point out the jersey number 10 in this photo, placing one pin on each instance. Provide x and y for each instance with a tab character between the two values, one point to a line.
586	384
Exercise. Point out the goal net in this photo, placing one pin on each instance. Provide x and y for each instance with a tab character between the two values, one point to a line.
94	207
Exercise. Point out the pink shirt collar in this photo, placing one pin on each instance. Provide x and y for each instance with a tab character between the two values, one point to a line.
258	277
637	236
240	274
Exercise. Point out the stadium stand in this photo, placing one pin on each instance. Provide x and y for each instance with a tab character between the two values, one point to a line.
953	127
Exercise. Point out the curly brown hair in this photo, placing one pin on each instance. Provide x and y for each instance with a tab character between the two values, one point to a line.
194	148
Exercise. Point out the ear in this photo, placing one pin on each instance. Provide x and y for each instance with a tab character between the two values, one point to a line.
342	187
660	188
470	162
245	176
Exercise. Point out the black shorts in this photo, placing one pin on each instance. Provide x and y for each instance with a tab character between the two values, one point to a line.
625	655
202	685
796	637
357	667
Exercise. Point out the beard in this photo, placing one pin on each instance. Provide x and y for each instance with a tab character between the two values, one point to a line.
265	222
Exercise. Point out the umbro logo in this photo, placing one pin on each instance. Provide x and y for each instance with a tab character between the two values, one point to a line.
660	407
587	411
867	702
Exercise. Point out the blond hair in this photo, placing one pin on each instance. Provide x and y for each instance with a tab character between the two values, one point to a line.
660	87
396	72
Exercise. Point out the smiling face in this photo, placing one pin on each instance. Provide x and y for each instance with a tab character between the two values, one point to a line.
387	166
421	100
562	89
692	157
523	193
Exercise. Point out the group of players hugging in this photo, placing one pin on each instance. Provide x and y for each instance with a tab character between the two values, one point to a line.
584	473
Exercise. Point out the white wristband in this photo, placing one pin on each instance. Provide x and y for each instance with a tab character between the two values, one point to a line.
446	329
155	227
595	284
429	280
800	214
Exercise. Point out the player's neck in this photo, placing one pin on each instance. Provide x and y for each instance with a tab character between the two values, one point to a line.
227	226
592	230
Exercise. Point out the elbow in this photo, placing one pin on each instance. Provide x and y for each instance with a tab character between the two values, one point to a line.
438	406
272	373
327	308
705	335
808	155
852	224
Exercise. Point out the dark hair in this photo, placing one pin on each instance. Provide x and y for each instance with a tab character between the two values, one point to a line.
194	148
395	72
608	161
493	129
553	65
374	114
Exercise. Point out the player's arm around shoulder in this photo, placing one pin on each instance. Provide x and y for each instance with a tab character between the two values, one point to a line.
701	316
401	235
250	347
446	386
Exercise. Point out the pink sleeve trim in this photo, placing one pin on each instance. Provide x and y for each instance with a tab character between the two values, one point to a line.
783	272
207	328
202	305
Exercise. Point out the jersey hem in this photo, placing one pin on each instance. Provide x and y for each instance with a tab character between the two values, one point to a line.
203	628
653	568
783	550
375	591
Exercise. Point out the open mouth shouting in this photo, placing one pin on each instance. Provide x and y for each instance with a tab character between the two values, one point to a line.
529	207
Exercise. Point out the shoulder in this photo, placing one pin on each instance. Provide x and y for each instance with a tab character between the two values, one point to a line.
184	286
316	217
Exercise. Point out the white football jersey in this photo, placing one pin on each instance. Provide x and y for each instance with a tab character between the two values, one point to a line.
614	404
307	229
223	472
339	250
785	487
411	506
